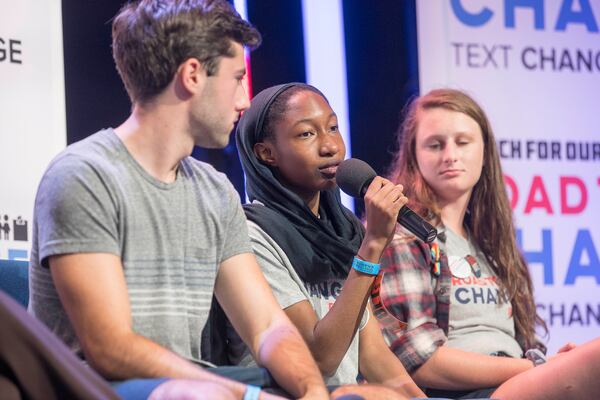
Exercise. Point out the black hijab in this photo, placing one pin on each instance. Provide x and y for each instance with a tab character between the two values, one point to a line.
318	248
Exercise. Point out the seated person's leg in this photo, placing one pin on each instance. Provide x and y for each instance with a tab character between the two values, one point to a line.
572	375
138	389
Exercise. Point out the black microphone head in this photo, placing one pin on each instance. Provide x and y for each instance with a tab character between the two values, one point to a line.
354	176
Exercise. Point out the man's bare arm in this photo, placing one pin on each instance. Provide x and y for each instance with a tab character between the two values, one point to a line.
246	297
93	292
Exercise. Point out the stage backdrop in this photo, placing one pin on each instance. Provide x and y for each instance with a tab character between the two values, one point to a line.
32	112
535	68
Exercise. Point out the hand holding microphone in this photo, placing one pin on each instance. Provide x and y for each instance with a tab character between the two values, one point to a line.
354	177
383	201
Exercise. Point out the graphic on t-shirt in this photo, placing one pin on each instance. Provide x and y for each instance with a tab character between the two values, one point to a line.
327	291
461	267
480	315
473	290
324	290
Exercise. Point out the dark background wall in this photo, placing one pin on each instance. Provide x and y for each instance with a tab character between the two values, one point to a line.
95	96
381	62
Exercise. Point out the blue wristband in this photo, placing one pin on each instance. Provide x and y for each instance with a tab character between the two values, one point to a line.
365	267
252	392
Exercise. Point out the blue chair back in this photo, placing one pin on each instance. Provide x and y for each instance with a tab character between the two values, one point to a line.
14	280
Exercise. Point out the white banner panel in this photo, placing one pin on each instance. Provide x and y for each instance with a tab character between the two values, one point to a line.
534	66
324	40
32	112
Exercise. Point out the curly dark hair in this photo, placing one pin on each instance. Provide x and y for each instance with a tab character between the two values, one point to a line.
151	38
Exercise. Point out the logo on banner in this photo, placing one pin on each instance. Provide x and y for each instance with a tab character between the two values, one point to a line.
10	51
13	237
534	65
532	58
13	229
31	78
544	150
567	14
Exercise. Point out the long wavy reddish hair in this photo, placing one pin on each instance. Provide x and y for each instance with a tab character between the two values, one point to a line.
489	218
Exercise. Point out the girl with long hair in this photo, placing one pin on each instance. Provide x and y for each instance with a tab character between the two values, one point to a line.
464	310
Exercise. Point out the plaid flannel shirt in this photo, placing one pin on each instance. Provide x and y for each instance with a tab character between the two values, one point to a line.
413	294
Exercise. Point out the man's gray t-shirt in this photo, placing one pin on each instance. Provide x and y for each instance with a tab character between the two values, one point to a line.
170	237
289	289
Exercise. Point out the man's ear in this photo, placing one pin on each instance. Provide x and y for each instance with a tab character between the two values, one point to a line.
191	76
265	152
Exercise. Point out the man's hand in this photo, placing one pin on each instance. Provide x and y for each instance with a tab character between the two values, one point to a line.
274	341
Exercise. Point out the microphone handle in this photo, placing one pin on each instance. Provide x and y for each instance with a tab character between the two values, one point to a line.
410	220
416	225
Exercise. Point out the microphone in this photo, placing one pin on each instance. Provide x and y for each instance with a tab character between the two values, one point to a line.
354	176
